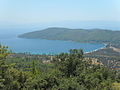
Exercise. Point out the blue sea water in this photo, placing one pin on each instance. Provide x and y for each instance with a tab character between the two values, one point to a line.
10	31
41	46
8	37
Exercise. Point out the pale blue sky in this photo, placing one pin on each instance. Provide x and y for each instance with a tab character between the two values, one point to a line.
37	11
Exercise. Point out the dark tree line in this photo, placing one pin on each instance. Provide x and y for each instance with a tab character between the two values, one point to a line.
69	71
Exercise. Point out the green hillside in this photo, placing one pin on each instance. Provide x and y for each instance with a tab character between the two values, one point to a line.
65	71
79	35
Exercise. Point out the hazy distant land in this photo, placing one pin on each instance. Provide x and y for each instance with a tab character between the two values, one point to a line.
78	35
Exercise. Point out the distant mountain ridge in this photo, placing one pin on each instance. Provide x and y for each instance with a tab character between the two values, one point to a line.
78	35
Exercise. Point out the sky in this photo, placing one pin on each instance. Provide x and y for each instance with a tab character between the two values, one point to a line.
44	11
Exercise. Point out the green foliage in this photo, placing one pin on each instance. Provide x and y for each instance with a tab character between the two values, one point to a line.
3	52
3	66
69	84
67	71
79	35
68	63
116	86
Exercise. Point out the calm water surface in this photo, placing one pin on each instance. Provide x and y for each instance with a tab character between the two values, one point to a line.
40	46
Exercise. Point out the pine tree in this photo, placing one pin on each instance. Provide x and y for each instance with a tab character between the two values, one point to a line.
3	67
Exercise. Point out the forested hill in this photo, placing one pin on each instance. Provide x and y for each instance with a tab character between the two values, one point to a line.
79	35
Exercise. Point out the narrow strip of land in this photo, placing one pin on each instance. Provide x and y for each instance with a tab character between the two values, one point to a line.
115	49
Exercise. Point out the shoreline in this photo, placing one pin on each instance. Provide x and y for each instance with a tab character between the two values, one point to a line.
76	42
97	49
90	51
56	54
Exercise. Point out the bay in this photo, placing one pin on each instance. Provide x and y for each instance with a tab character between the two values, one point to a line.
41	46
9	38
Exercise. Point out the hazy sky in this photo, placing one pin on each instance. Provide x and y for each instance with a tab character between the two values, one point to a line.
36	11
